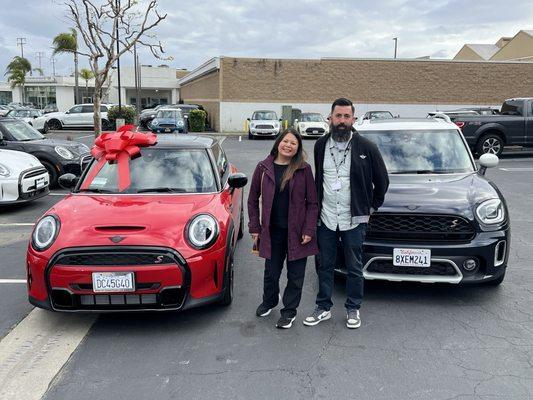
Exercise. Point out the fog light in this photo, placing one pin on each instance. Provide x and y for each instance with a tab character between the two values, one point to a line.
470	264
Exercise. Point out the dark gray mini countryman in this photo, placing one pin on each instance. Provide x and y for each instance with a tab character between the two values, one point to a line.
442	220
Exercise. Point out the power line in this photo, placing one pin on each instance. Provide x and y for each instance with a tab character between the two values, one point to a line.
40	55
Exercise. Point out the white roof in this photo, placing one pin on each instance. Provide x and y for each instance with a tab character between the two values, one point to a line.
406	124
486	51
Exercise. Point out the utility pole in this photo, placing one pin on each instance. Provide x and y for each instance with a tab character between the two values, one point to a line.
53	61
118	60
135	69
40	55
395	46
21	41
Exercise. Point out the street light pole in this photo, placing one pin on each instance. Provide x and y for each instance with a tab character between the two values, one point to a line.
395	46
118	61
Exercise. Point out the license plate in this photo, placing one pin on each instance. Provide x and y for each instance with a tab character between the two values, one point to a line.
39	183
113	282
411	258
315	131
167	129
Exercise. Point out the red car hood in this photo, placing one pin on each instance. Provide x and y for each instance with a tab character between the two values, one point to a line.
153	220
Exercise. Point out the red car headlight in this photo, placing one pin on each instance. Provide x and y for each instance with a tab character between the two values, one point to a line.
202	231
45	232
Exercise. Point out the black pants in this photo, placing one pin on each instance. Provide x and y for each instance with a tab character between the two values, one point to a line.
273	268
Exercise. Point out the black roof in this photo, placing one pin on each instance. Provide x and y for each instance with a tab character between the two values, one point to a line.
185	141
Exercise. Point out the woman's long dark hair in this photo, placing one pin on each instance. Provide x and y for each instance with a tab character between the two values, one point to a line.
297	161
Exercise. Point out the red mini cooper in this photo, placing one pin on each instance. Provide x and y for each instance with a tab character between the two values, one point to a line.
150	225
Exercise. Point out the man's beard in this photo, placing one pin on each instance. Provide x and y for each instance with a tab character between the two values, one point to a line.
341	132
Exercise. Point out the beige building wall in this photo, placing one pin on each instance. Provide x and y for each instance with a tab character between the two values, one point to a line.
466	53
373	81
520	47
205	91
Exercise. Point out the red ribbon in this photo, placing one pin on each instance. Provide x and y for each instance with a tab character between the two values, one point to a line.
119	146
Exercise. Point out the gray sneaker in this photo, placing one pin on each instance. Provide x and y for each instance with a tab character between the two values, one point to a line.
353	320
318	316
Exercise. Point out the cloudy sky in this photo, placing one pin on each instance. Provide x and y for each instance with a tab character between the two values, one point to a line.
195	31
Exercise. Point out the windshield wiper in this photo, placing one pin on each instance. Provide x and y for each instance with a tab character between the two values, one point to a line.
418	171
162	190
95	190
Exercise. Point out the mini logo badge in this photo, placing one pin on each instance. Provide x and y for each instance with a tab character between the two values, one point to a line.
362	156
117	239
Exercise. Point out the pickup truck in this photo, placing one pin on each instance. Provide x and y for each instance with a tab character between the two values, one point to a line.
490	133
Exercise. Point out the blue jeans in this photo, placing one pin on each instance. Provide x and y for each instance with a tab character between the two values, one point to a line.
352	246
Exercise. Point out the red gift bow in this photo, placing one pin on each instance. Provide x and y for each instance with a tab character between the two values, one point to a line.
119	146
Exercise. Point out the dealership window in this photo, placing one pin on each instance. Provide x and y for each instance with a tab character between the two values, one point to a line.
6	97
40	96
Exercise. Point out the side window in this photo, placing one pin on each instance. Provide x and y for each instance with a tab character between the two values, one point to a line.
103	109
87	109
222	162
76	110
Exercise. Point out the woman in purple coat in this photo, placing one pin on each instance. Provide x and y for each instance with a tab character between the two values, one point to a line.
285	227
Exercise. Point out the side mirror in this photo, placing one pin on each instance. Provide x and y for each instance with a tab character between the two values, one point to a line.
247	119
237	180
487	161
68	181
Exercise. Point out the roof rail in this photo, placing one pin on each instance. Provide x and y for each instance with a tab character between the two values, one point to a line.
441	116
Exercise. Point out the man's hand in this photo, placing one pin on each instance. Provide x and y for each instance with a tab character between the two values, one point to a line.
306	239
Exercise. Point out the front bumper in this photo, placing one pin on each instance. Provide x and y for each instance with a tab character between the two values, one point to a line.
164	280
264	132
490	250
30	185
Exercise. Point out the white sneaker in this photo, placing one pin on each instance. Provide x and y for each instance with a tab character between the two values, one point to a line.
353	320
318	316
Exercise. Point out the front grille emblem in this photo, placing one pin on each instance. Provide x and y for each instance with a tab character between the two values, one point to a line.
158	260
454	224
117	239
412	207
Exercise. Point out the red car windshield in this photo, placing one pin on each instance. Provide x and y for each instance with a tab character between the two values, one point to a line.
163	170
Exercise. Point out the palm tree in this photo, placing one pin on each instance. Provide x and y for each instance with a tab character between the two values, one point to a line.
16	71
86	74
67	42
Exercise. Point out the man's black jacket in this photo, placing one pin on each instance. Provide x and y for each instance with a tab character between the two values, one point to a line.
369	180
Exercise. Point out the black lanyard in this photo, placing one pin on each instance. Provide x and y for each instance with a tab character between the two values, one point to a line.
346	151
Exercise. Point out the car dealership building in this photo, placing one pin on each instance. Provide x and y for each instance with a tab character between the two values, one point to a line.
231	88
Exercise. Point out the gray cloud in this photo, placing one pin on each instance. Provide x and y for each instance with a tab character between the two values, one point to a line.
196	31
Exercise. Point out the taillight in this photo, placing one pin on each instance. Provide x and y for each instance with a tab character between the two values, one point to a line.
460	124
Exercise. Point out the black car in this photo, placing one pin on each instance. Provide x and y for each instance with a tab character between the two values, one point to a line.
442	219
148	115
57	156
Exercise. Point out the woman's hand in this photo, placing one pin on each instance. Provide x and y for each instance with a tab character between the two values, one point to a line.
255	236
306	239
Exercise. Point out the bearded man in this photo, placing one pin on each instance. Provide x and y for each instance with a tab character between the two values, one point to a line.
351	180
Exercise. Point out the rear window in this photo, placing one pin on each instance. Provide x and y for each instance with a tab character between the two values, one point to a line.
513	107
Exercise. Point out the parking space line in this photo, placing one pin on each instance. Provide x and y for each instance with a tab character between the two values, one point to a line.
517	169
13	281
34	352
17	224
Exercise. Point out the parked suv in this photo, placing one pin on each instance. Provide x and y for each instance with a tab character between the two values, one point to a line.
79	116
57	156
442	219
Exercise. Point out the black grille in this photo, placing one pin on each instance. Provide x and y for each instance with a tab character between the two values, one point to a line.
314	130
436	268
419	227
167	125
36	172
264	127
115	259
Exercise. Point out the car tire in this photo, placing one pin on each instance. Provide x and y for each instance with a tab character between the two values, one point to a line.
227	297
491	143
52	172
53	125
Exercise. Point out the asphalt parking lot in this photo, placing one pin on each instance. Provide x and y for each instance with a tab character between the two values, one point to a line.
416	341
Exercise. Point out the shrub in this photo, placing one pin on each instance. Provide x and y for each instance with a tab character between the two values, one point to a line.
128	113
197	121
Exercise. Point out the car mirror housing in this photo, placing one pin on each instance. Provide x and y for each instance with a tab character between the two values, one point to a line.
487	161
237	180
68	181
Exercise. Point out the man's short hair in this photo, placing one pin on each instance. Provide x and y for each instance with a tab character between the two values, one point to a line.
342	101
